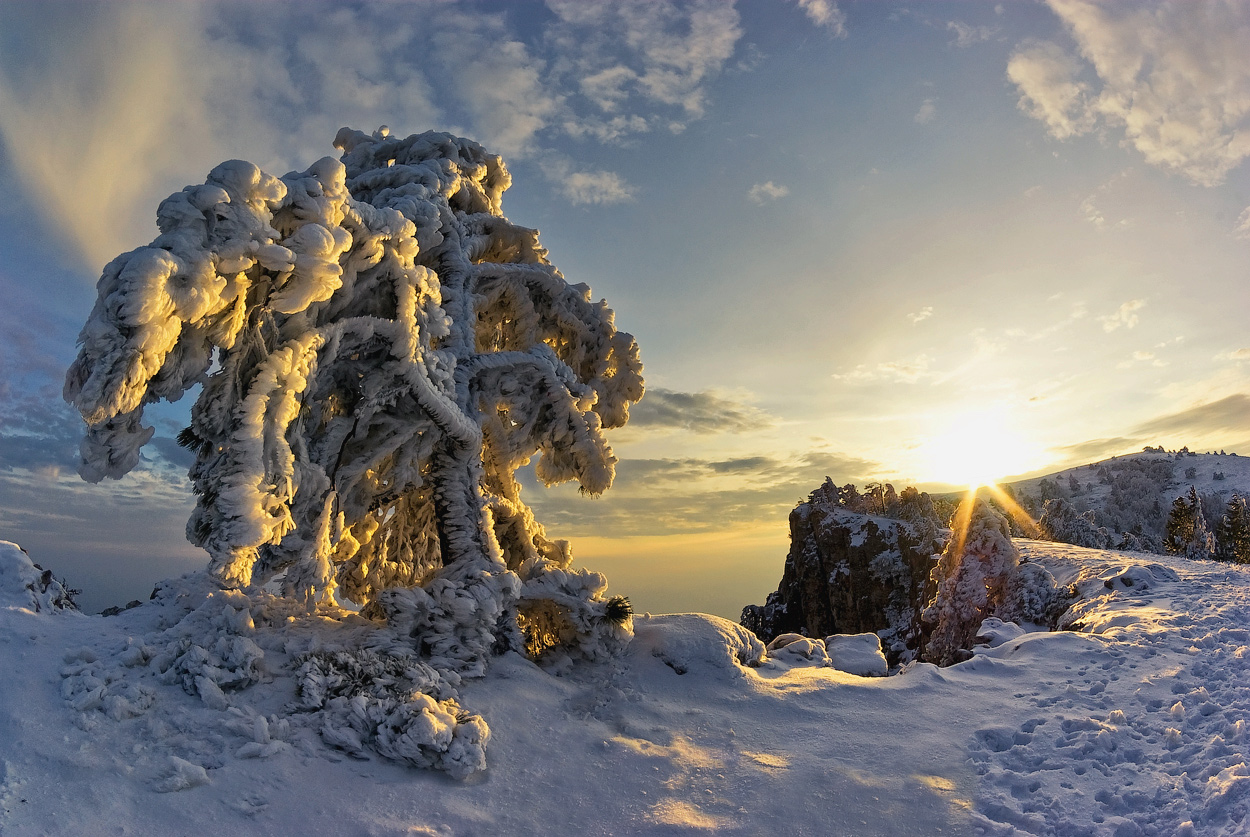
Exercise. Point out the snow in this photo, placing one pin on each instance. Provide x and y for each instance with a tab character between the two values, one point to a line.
1133	723
857	654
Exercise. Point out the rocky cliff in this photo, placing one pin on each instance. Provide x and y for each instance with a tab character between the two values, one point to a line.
850	573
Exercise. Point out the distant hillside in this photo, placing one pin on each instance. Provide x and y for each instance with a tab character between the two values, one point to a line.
1133	494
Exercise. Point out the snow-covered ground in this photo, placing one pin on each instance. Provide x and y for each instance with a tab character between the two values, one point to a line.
1233	471
1133	725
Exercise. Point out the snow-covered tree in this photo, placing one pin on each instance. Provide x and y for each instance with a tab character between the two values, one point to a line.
1060	521
1234	539
977	576
380	349
1187	532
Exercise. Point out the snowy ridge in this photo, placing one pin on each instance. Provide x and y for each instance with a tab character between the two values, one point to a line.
1134	724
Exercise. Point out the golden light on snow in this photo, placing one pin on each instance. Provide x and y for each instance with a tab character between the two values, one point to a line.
977	447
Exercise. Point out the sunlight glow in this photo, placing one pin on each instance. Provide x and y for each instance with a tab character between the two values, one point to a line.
1005	503
977	448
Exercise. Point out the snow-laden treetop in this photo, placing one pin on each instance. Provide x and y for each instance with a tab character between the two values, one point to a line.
379	349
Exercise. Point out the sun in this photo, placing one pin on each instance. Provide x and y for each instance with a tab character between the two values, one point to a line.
976	447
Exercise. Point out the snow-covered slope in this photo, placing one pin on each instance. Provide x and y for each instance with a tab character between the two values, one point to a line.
1136	724
1234	468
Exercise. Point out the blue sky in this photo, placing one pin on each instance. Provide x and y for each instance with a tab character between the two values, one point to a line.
864	240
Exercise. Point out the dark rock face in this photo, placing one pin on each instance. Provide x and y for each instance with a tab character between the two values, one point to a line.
851	573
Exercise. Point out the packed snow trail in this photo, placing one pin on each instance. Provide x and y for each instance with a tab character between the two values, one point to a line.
1133	725
1141	727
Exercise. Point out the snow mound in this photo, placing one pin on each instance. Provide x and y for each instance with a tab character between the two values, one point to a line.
25	584
797	649
696	642
994	632
857	654
386	702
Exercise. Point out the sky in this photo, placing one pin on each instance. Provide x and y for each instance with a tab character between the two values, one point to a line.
925	243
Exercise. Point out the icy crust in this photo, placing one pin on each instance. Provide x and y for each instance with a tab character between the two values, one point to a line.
361	687
379	350
25	584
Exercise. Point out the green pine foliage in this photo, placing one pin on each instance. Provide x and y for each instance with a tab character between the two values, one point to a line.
1234	534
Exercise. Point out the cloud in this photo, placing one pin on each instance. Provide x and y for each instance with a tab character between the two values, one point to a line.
677	496
106	108
1242	230
1142	356
642	54
1049	89
1236	355
114	542
500	83
586	187
1227	418
921	315
1092	213
1173	78
699	412
966	36
927	112
613	130
763	193
826	14
1230	414
1125	315
897	371
1098	449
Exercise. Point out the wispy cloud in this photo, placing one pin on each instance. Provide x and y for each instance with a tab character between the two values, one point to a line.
675	496
1220	423
1242	230
898	371
825	14
1227	415
927	112
1176	82
921	315
637	56
1091	212
1125	316
1236	355
586	187
768	192
1047	78
699	412
966	35
1142	356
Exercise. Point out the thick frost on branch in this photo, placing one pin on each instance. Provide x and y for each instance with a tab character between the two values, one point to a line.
379	350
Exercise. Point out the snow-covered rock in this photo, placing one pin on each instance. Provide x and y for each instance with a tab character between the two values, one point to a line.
696	642
857	654
798	650
23	583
